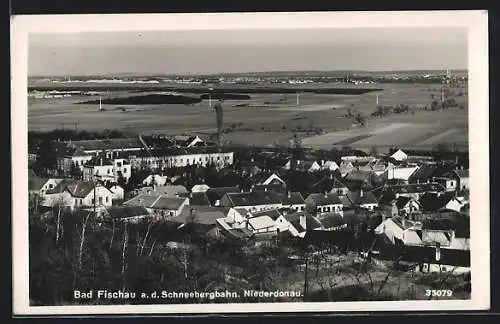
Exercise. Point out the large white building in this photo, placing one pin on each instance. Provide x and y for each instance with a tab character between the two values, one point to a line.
77	194
181	158
107	170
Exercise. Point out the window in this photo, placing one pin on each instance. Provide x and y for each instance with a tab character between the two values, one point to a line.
125	170
81	201
96	172
51	185
93	201
187	161
218	158
100	200
76	202
206	158
119	164
107	199
109	171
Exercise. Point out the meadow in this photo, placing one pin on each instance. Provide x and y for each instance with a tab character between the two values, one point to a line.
268	119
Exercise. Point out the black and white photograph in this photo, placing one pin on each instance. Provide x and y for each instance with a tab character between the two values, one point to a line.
250	162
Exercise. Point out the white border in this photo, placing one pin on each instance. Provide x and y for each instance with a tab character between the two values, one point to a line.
475	21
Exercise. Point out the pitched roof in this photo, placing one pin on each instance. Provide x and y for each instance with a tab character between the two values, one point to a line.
127	211
253	198
155	202
205	215
216	193
401	201
168	190
327	184
261	222
361	198
107	144
296	223
320	199
462	173
432	202
199	198
293	198
270	187
312	223
200	188
423	173
359	175
416	188
76	188
76	152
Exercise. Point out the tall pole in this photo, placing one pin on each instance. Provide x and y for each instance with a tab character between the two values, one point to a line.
298	100
100	104
377	99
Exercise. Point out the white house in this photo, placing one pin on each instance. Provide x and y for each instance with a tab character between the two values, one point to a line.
294	201
400	172
155	179
77	158
273	179
78	194
449	183
329	165
107	170
294	223
252	201
48	185
399	155
118	191
325	202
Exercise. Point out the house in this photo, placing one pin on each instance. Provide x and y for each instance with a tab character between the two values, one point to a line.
199	199
117	191
251	201
345	168
107	170
399	155
276	187
441	201
200	188
330	184
293	201
155	179
202	216
423	174
113	146
294	223
401	172
132	214
44	185
188	141
449	182
386	194
463	179
329	165
406	205
78	194
362	199
273	179
324	202
308	166
170	191
400	229
215	194
75	157
159	205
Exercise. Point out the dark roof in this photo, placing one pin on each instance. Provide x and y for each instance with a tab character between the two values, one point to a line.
424	173
199	198
296	223
362	197
327	184
214	194
98	161
127	211
312	223
320	199
293	198
292	217
432	202
107	144
205	215
270	187
417	188
76	152
359	175
173	151
401	201
76	188
253	198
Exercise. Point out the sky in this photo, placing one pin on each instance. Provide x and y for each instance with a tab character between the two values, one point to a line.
232	51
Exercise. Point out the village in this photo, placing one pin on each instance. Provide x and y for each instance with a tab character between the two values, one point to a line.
412	203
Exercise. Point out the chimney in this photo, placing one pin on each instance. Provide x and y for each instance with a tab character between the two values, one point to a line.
101	161
361	192
326	194
289	194
331	176
438	252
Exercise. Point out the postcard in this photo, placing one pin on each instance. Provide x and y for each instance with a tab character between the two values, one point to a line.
250	162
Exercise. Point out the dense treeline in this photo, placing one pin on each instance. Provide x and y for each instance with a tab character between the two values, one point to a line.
150	99
225	96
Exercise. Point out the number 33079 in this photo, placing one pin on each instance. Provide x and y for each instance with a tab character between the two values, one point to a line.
438	292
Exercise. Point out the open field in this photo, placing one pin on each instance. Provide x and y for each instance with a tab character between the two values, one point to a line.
272	118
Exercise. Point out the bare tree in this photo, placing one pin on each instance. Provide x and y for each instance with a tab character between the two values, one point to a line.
82	241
